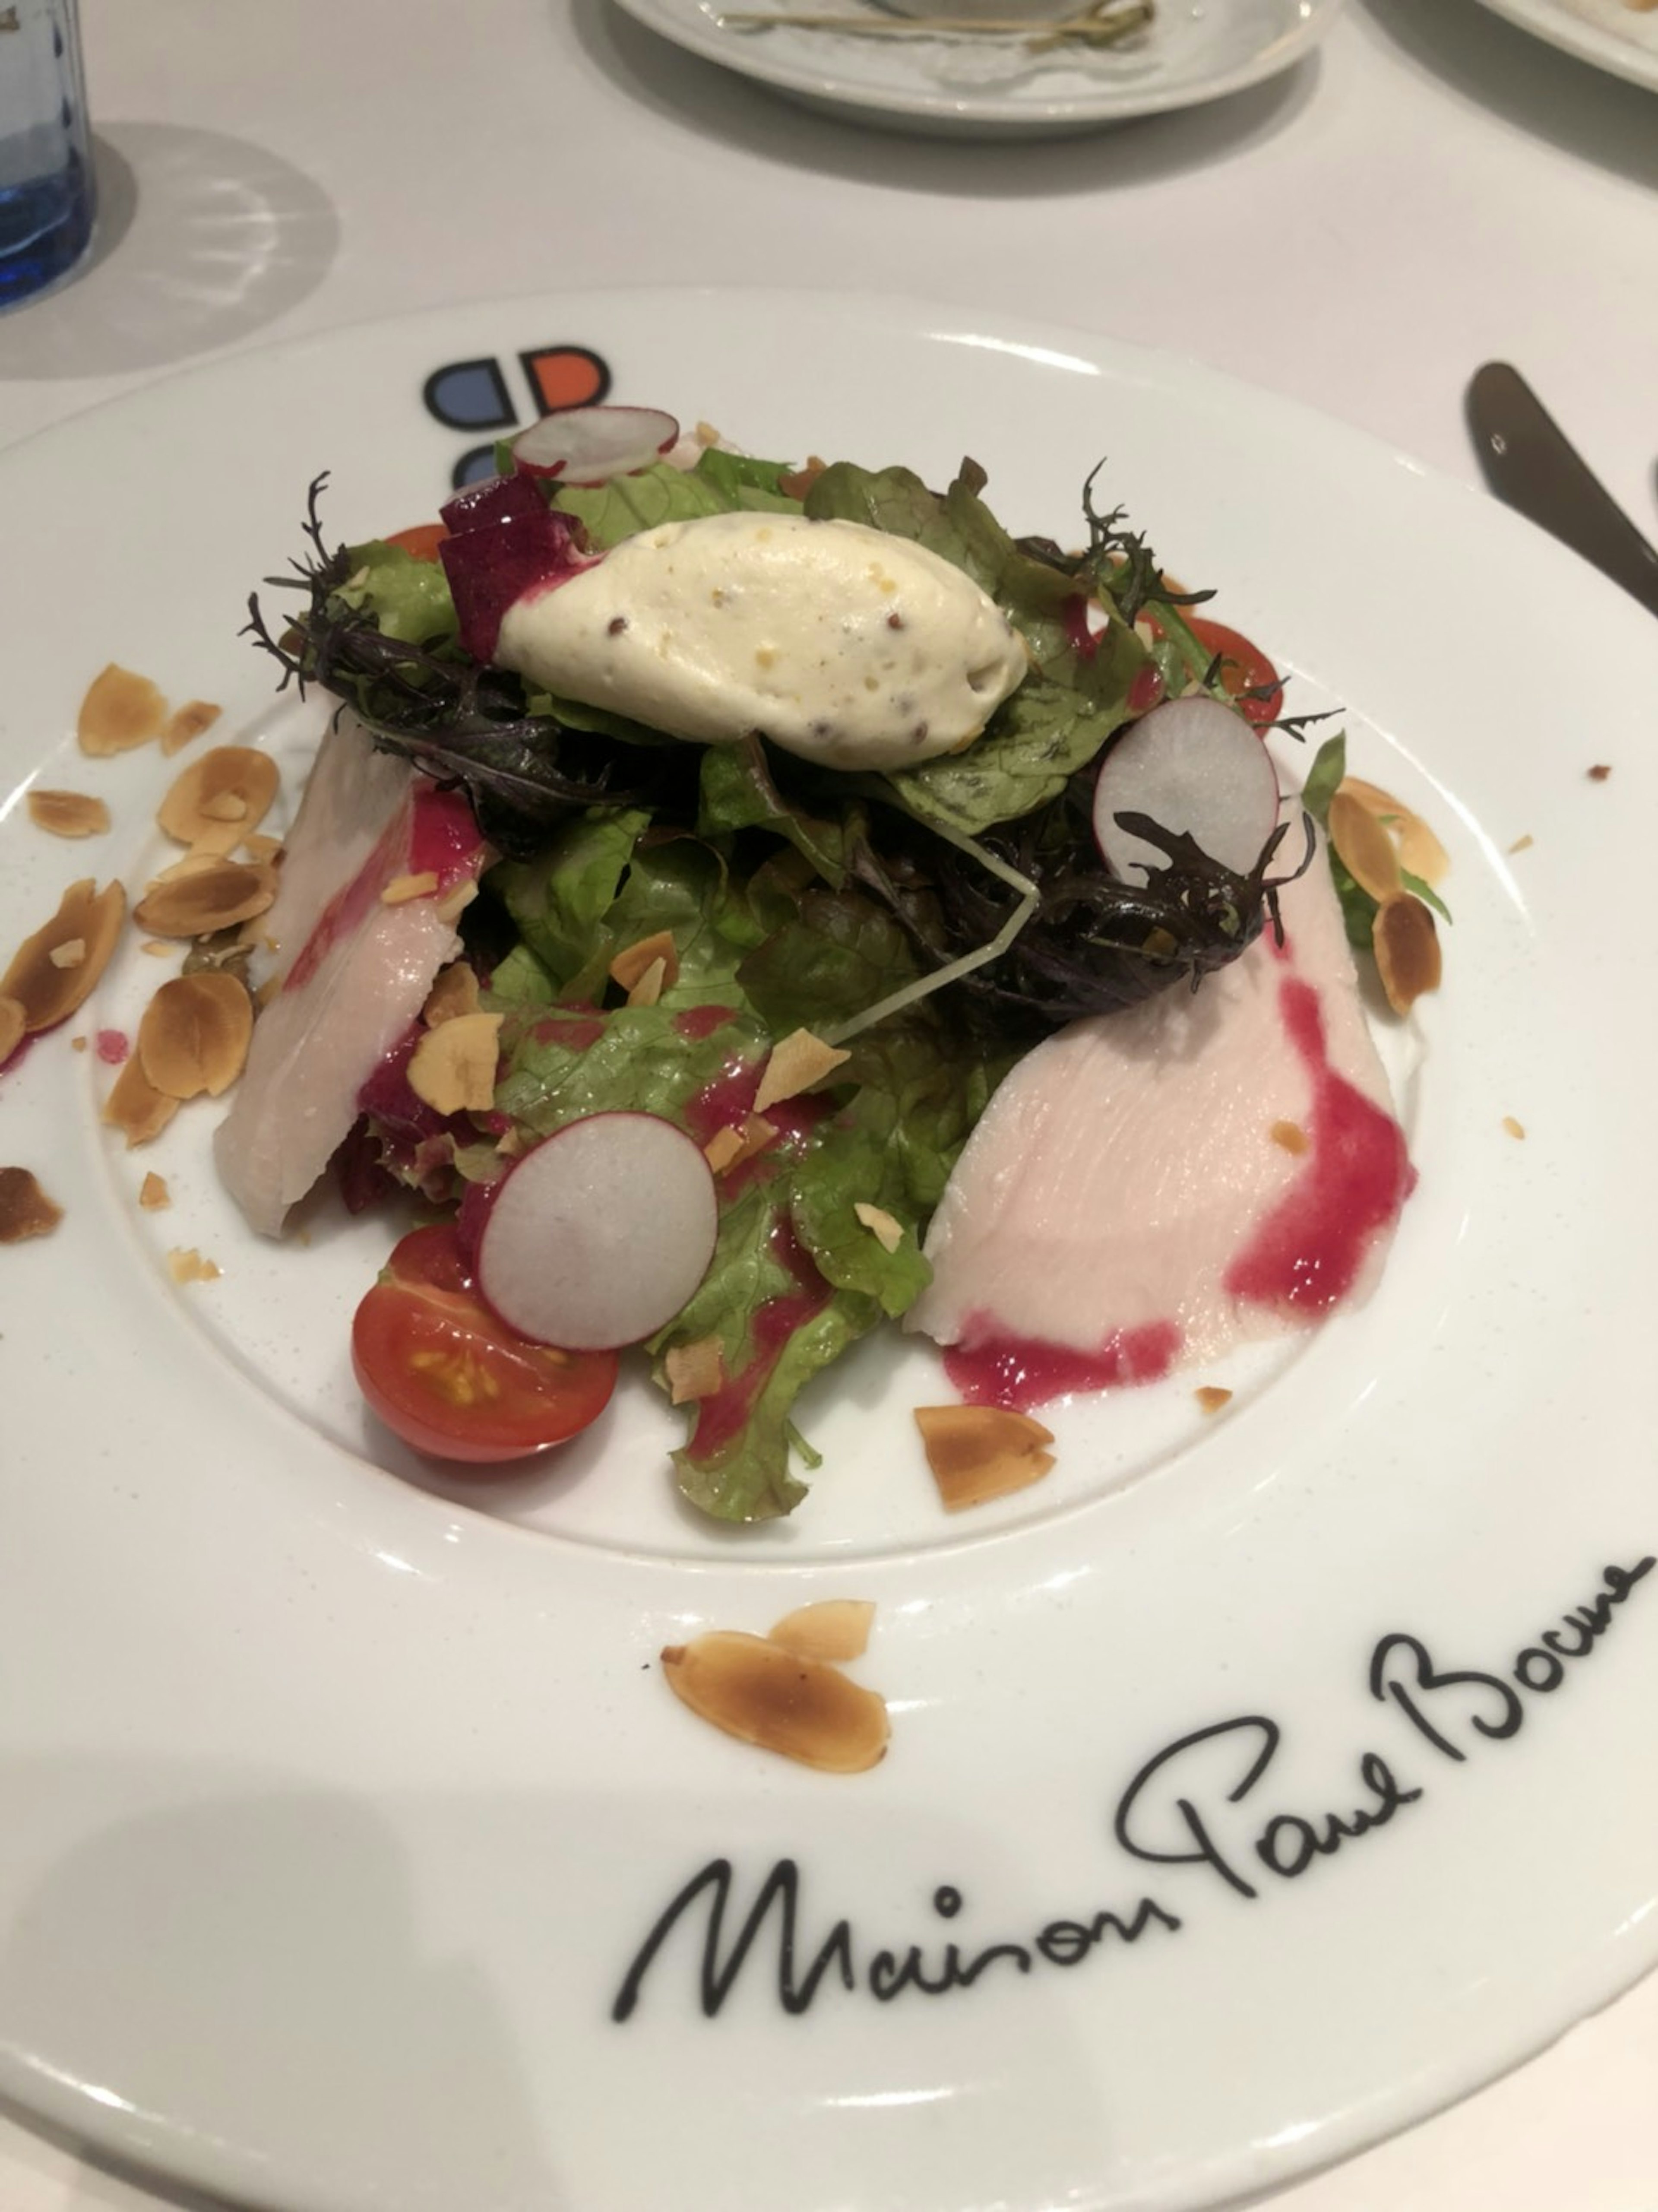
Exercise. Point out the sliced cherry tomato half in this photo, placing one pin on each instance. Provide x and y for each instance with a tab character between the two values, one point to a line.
421	539
1245	670
450	1377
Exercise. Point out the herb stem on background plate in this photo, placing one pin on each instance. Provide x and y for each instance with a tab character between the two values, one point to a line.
1104	23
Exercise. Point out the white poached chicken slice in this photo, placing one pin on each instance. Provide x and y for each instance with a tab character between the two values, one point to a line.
1148	1188
353	965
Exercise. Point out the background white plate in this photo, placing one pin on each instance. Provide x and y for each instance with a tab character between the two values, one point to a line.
1194	51
1604	32
336	1812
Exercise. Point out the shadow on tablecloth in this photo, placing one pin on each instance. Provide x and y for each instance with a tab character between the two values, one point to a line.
202	240
1583	110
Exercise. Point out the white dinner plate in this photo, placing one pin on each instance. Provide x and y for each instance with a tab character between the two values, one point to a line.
982	86
1613	36
340	1815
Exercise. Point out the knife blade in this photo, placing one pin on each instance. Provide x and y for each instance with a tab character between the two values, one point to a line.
1529	463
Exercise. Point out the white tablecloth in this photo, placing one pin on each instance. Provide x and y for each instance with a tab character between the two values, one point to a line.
1434	189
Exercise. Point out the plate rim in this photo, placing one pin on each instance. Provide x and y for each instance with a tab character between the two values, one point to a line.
907	312
681	22
1584	40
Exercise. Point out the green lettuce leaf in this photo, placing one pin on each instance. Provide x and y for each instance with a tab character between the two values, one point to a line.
572	1061
837	953
408	598
1324	778
744	483
1062	714
795	1275
851	1168
919	1090
721	483
520	980
737	791
1419	886
560	899
1035	743
773	1335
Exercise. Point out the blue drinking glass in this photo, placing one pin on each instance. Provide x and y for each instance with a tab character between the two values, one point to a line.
46	191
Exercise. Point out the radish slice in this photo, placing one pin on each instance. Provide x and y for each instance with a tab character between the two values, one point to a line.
600	1235
1193	766
589	444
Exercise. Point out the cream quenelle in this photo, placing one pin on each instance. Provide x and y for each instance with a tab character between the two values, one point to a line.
836	641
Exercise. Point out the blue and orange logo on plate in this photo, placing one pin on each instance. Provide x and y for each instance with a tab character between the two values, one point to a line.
476	395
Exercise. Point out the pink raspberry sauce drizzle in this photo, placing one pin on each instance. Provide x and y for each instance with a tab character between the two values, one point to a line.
992	1367
720	1417
1306	1253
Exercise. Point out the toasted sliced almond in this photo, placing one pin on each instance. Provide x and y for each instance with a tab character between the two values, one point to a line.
455	992
12	1024
757	1692
136	1107
723	1150
186	1265
1418	849
453	1066
693	1370
153	1194
191	863
1406	947
981	1452
888	1232
795	1065
651	985
259	848
1211	1397
203	894
757	1134
120	710
195	1034
48	989
1515	1128
188	721
213	803
795	484
728	1148
403	889
1367	851
634	962
1290	1136
25	1209
68	813
834	1628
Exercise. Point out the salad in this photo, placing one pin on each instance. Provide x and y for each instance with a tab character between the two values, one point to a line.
747	965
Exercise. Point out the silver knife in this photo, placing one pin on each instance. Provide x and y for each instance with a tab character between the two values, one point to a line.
1528	462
